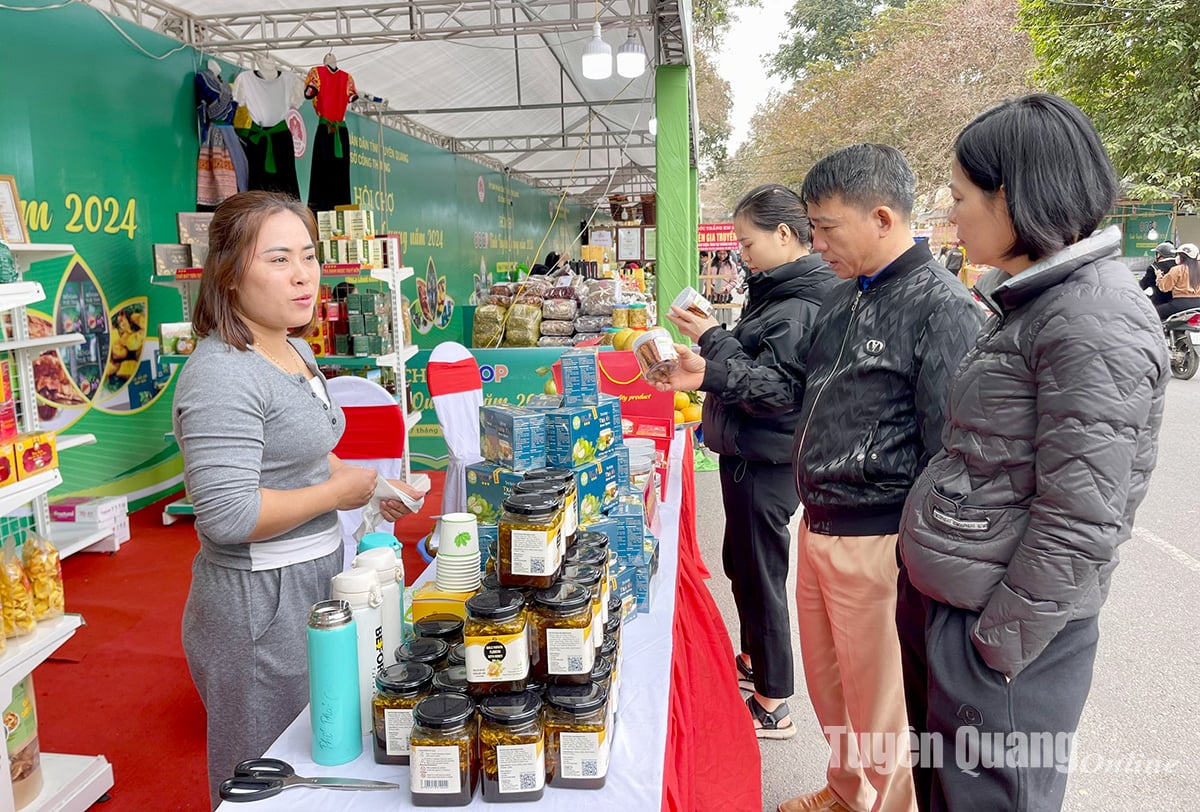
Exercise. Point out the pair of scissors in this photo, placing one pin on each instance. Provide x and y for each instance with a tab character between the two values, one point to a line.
259	778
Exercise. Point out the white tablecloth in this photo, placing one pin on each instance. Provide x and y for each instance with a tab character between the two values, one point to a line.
635	773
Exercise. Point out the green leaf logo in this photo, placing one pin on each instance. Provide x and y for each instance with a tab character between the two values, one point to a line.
462	539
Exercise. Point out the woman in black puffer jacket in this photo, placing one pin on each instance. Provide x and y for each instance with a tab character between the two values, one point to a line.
1009	537
754	378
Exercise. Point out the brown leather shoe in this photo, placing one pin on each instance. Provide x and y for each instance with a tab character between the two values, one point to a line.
820	801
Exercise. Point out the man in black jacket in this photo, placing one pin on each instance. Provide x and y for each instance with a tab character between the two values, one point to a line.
885	344
1164	260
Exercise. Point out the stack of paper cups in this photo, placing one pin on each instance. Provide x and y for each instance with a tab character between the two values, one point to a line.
458	553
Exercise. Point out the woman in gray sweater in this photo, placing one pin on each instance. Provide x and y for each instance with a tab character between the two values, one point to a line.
257	429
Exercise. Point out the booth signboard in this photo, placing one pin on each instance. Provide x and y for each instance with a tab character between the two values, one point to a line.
601	236
717	237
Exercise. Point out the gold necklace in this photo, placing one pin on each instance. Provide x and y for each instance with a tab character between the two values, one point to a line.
273	359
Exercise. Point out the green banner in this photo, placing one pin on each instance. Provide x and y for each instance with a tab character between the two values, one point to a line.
103	148
509	376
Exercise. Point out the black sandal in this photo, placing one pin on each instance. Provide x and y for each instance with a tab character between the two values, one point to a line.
745	674
769	720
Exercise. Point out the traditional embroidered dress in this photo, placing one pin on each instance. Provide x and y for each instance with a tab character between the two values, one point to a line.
221	168
268	141
331	92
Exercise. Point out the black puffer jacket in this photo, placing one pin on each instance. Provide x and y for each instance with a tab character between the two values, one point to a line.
1051	435
755	374
879	367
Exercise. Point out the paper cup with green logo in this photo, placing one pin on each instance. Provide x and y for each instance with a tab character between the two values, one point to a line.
459	535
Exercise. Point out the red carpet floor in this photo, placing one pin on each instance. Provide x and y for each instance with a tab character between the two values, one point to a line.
120	686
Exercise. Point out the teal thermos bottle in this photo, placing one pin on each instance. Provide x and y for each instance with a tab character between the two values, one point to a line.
333	683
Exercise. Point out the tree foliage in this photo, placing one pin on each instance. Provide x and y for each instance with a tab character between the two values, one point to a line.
913	78
714	101
822	31
711	18
1134	67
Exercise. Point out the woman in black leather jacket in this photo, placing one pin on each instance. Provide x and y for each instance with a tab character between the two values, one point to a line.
754	379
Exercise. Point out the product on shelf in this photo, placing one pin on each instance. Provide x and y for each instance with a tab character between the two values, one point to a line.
177	338
524	325
35	453
556	329
24	756
16	594
42	565
489	325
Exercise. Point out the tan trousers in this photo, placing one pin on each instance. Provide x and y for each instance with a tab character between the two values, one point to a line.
846	608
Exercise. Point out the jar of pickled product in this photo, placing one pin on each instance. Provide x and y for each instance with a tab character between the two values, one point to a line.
512	747
440	626
577	743
428	650
558	491
562	626
594	557
590	577
591	538
602	674
451	678
497	641
566	478
656	355
638	318
529	529
620	316
613	627
493	550
457	655
398	689
444	765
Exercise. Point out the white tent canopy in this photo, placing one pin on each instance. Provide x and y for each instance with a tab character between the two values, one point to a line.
499	81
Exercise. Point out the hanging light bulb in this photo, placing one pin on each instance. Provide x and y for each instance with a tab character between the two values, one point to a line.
1152	234
597	56
631	57
654	126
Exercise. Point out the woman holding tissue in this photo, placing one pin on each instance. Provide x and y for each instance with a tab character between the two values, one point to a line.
754	377
256	427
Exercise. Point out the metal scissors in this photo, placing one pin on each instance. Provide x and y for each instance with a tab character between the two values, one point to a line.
259	778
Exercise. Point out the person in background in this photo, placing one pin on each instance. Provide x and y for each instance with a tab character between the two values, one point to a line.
956	260
1010	537
257	428
722	265
1182	282
754	377
886	341
1164	260
554	263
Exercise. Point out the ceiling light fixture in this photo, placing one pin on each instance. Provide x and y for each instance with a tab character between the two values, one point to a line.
631	57
597	56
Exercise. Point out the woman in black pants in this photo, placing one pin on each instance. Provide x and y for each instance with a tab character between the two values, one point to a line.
1181	283
754	379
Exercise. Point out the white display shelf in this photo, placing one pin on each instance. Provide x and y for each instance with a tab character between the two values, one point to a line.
23	654
411	419
180	507
43	343
28	253
71	783
19	294
65	441
19	493
409	351
71	537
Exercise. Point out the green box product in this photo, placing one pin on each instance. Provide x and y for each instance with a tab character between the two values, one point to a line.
627	592
371	324
609	408
341	344
354	304
590	484
575	436
357	325
361	347
616	472
488	485
375	345
512	436
580	376
627	534
645	585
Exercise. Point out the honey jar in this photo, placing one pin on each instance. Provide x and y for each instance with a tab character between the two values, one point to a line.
512	747
529	529
562	626
497	642
398	689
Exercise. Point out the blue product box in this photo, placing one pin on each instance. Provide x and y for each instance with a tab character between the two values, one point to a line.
575	436
512	436
488	485
609	408
590	483
489	534
543	403
580	377
627	592
627	536
611	463
645	587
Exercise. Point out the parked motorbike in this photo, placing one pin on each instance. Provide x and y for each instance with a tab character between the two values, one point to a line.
1182	331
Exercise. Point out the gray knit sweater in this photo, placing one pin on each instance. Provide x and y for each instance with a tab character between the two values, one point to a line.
243	424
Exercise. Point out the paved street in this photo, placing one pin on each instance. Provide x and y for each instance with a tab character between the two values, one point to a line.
1143	705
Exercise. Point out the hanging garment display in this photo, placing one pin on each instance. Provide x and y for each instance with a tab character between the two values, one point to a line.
221	167
270	154
331	90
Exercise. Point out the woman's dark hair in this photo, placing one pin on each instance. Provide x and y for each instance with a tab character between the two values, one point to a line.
771	205
232	237
551	260
1193	267
1047	157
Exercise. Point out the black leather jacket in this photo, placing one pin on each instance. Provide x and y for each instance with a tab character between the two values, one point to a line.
754	374
879	366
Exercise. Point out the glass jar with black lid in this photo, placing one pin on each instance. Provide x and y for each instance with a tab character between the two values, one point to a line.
398	689
451	678
444	760
616	618
565	478
440	626
497	642
457	655
426	650
593	557
512	747
562	626
590	576
566	536
528	531
577	736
